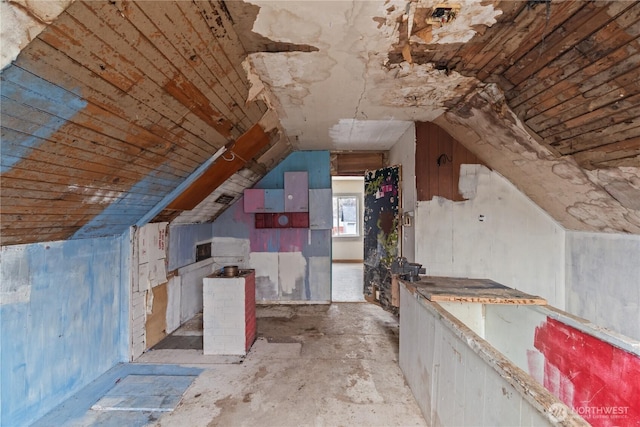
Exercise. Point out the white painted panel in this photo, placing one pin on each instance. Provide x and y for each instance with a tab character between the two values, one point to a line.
434	236
404	153
500	234
191	289
173	303
320	209
292	272
266	266
471	314
230	247
224	315
320	278
603	280
511	330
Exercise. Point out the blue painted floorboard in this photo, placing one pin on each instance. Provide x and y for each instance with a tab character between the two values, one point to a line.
132	395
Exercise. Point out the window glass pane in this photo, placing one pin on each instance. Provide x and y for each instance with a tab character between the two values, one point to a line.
345	216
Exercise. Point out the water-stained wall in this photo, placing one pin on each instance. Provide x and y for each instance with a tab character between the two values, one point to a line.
64	320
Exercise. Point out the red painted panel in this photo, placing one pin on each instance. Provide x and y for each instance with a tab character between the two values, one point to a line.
299	219
282	220
250	307
264	220
599	381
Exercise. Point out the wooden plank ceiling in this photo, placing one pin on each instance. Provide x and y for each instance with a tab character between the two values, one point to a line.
570	70
113	106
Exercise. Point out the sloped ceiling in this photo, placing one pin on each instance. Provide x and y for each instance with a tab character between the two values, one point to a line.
115	105
122	112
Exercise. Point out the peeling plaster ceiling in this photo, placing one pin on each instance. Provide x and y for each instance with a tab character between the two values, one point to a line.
372	68
114	107
22	20
349	79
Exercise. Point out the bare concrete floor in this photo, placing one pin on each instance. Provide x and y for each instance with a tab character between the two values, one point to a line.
327	365
347	282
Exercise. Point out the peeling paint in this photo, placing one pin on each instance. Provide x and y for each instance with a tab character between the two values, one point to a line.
22	86
351	63
575	198
133	204
370	134
47	352
468	184
292	273
473	14
22	20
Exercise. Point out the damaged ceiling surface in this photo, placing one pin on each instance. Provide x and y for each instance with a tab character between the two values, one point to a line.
120	112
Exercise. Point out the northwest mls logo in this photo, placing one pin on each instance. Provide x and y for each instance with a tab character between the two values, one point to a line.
599	412
558	412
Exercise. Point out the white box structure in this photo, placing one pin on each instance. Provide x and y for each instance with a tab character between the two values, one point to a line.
229	313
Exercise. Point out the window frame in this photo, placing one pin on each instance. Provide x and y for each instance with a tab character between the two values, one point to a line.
335	204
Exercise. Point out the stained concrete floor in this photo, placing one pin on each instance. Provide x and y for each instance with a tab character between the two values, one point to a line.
312	365
347	282
319	365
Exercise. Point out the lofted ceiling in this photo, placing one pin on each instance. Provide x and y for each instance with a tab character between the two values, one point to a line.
116	113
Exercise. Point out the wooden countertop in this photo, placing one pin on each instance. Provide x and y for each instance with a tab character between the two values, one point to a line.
485	291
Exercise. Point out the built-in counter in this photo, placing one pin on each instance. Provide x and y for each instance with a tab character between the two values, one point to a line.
475	353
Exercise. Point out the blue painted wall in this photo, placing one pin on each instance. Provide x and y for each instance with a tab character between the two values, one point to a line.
317	163
64	318
182	243
129	208
235	223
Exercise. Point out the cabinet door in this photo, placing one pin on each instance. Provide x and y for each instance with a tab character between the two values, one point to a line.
296	192
320	209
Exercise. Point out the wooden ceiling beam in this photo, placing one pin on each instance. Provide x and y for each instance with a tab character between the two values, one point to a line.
237	155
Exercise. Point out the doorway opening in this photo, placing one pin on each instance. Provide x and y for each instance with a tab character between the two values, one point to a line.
347	273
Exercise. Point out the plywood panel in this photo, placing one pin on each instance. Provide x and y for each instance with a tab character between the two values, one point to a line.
156	326
438	160
358	163
483	291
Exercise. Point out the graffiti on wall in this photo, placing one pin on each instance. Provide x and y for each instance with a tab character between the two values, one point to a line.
381	229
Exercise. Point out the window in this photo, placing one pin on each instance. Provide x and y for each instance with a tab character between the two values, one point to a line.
346	222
